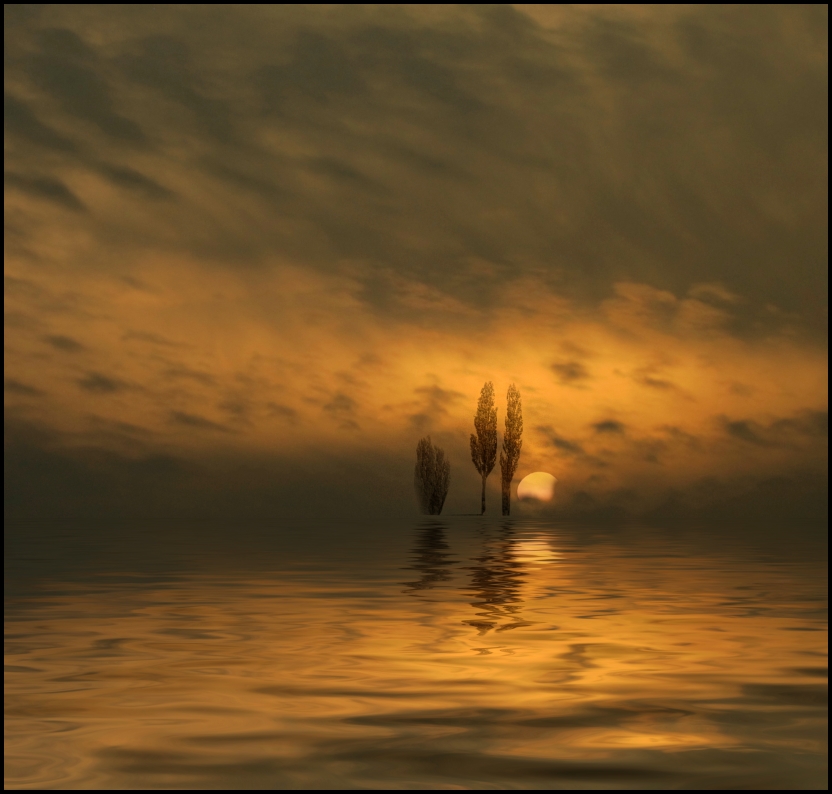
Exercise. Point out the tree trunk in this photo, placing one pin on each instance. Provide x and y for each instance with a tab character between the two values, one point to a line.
506	498
482	511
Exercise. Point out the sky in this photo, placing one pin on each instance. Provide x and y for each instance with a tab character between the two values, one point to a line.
254	253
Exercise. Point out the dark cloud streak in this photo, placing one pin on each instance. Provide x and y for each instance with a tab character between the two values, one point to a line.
65	344
197	422
45	188
807	426
24	389
96	383
69	70
569	372
559	442
609	426
19	120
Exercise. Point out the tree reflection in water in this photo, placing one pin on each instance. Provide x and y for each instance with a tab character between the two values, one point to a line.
497	574
496	580
430	557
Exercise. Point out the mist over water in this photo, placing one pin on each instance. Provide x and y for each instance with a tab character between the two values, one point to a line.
441	652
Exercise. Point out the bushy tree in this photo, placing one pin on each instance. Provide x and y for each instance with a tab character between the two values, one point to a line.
484	443
512	444
432	477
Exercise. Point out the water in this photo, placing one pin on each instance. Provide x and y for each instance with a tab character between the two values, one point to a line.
440	653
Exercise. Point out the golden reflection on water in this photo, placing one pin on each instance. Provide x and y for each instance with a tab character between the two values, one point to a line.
523	659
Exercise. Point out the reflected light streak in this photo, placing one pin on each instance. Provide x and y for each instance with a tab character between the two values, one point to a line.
535	552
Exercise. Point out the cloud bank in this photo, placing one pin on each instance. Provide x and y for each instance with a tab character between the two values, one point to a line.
254	253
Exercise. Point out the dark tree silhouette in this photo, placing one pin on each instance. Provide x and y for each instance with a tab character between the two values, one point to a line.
432	477
484	443
512	444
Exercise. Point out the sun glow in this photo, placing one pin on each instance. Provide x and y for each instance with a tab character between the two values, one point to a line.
539	485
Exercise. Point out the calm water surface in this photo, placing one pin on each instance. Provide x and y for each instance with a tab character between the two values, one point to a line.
446	653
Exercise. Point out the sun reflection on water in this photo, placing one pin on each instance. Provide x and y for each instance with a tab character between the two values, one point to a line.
535	551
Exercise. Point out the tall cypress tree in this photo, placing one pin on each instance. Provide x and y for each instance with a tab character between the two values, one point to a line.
512	444
484	443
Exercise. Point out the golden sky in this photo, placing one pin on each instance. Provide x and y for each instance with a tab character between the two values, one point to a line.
254	253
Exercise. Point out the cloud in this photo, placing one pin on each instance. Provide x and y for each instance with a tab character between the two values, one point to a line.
23	389
121	427
45	188
569	372
163	63
237	409
19	120
96	383
144	336
654	383
715	292
65	344
197	422
677	435
340	404
342	407
609	426
559	442
435	405
806	426
654	375
183	372
133	180
438	401
282	412
372	101
70	71
745	431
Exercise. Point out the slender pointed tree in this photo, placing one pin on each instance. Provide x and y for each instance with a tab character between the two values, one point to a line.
484	443
512	444
432	477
